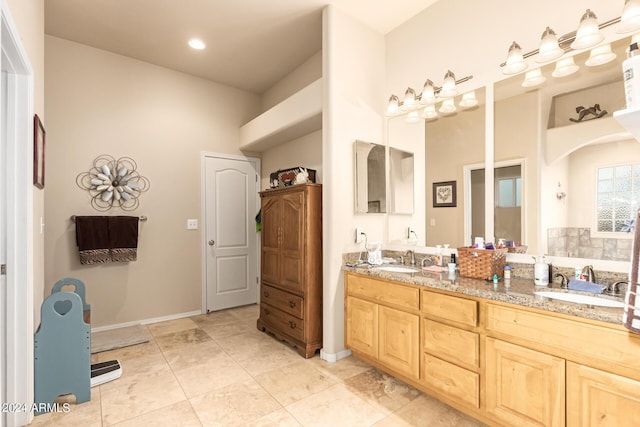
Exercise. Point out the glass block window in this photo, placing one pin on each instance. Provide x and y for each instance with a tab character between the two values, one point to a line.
509	192
618	197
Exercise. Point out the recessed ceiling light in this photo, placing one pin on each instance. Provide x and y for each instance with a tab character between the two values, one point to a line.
197	44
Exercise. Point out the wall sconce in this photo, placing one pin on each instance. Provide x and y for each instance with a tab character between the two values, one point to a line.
586	36
430	95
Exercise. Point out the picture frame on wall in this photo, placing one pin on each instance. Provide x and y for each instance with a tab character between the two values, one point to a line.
39	140
444	194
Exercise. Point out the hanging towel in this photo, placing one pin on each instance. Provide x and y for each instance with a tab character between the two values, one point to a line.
92	238
631	315
123	238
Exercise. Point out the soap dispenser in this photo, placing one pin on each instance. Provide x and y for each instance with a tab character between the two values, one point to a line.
540	271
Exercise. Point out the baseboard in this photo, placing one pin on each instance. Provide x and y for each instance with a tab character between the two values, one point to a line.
146	321
334	357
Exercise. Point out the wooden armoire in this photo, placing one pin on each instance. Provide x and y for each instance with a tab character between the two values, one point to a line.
291	266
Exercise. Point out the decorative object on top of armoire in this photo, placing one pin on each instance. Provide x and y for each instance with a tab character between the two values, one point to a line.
113	183
291	266
39	140
107	238
631	316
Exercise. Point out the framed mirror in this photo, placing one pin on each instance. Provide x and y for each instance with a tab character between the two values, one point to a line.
370	177
401	178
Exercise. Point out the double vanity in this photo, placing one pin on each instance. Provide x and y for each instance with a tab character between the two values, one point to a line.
504	355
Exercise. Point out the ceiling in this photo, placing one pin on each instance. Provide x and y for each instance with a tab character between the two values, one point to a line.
251	44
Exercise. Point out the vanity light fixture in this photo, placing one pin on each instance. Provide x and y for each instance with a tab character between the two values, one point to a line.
430	95
429	112
587	35
600	55
565	67
448	106
412	117
533	78
469	100
197	44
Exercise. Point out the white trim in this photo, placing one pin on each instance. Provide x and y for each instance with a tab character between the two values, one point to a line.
20	299
334	357
203	215
146	321
466	171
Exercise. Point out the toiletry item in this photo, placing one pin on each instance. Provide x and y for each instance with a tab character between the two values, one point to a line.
578	273
495	279
507	272
453	258
478	242
540	271
489	245
452	266
500	243
375	253
631	77
438	258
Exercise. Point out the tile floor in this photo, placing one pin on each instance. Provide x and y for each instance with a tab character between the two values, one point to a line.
219	370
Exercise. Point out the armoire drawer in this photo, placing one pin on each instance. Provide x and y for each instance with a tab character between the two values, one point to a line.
282	300
284	322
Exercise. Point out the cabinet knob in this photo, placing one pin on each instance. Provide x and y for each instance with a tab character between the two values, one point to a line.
292	304
266	311
292	324
212	242
266	293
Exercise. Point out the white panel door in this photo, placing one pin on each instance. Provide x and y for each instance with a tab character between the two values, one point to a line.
3	248
231	240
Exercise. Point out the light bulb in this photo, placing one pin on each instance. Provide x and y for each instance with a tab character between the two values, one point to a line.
448	106
429	112
549	49
428	94
630	19
468	100
515	61
600	55
588	32
533	78
565	67
448	85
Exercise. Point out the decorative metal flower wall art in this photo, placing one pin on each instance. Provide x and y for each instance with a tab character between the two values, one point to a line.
113	183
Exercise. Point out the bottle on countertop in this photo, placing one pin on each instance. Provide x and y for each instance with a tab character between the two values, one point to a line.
540	271
438	259
507	272
631	77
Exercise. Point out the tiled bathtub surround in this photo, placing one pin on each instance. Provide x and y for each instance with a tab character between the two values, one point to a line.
577	242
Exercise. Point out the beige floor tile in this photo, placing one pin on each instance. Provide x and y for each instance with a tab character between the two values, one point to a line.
234	405
171	326
279	418
218	372
335	406
180	339
293	382
179	414
425	411
217	331
382	391
71	414
342	369
242	346
138	369
215	318
122	403
269	358
130	352
191	355
248	312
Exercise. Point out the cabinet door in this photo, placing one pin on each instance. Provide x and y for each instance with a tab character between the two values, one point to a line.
292	241
524	387
399	345
271	221
597	398
362	326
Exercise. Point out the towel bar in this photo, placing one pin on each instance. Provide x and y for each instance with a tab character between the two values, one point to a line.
142	218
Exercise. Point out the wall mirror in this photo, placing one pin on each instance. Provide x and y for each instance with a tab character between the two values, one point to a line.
401	177
370	177
565	128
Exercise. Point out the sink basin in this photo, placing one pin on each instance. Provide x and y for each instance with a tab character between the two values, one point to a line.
396	269
581	299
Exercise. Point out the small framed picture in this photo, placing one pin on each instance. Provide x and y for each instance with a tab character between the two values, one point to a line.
39	138
444	194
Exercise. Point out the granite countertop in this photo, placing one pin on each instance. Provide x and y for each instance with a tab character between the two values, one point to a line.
519	292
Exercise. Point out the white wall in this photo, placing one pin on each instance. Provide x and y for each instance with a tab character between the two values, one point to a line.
305	74
353	105
305	151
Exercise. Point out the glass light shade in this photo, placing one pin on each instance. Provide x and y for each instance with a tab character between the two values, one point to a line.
600	55
549	49
409	102
448	106
428	94
515	61
588	33
565	67
429	112
392	105
197	44
468	100
448	85
412	117
630	19
533	78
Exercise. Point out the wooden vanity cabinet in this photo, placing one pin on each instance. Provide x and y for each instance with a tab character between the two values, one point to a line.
291	266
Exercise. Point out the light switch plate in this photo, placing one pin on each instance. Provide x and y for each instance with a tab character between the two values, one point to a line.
192	224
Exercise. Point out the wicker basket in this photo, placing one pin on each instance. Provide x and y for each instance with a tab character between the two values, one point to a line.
521	249
481	263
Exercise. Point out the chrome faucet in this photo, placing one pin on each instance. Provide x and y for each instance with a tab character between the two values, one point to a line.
426	259
564	281
614	288
412	260
588	274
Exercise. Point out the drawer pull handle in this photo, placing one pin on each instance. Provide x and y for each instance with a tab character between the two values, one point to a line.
292	304
266	311
266	293
292	324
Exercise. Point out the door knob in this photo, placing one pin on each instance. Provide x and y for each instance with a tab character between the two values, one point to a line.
212	242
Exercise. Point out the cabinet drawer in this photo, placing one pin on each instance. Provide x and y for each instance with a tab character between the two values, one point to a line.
284	322
446	307
282	300
452	344
452	380
383	292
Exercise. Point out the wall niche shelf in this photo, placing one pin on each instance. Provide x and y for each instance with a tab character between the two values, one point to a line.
296	116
